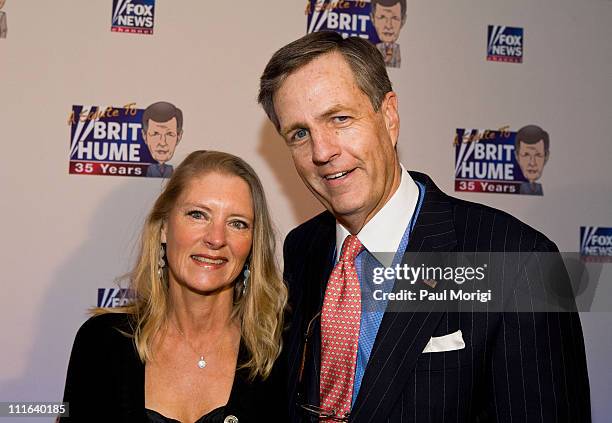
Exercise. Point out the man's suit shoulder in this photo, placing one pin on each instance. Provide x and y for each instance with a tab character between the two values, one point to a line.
479	227
488	228
304	232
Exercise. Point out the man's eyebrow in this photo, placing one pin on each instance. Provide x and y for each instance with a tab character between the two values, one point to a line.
336	108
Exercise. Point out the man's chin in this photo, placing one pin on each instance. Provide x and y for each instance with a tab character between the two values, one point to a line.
345	211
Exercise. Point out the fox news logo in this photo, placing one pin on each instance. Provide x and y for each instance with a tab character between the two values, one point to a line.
505	44
133	16
349	18
596	243
114	297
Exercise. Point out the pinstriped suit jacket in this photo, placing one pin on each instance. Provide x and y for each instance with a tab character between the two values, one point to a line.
519	367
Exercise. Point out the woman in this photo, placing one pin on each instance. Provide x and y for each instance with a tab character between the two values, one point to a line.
200	338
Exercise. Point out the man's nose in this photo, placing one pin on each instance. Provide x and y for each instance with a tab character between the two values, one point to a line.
325	146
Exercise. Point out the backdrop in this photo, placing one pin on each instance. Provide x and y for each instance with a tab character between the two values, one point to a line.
73	189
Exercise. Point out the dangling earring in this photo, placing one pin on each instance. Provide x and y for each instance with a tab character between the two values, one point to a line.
161	261
245	281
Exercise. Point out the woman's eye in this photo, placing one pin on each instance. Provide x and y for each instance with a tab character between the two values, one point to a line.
196	214
239	224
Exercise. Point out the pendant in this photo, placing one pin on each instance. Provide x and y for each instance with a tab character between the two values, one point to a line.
201	363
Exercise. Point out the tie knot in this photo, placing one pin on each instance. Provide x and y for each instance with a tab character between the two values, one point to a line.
350	248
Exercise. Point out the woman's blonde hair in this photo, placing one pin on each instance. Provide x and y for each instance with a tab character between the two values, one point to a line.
259	310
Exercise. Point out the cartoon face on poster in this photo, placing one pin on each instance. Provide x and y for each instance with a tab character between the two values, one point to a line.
3	24
501	161
124	141
379	21
532	150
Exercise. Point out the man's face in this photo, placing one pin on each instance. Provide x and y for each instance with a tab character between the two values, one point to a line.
532	158
342	149
162	138
387	22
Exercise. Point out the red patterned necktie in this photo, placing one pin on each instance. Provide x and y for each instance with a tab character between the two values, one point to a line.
340	319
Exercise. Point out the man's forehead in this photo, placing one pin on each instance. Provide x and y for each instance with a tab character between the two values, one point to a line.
167	124
533	147
396	8
328	71
318	89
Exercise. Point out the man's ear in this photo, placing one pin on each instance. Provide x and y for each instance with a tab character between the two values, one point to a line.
179	137
546	157
390	112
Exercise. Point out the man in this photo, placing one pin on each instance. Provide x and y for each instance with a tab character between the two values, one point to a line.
162	125
531	147
3	25
388	17
331	100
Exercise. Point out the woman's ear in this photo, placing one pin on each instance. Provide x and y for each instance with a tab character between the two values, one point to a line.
163	232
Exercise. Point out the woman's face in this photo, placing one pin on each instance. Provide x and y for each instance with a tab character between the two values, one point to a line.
209	232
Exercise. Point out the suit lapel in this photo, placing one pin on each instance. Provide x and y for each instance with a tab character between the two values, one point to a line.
402	336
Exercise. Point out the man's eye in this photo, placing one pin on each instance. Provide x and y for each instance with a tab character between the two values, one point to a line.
300	134
341	119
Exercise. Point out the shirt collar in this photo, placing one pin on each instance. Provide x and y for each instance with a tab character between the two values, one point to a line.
383	233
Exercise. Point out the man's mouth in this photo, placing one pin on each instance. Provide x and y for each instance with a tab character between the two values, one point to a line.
337	175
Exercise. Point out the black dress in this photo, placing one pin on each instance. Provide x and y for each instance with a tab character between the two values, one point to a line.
105	382
215	416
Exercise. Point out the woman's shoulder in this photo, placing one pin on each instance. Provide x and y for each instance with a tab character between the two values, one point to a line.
107	325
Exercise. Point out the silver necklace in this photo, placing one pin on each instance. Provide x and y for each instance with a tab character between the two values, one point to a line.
201	362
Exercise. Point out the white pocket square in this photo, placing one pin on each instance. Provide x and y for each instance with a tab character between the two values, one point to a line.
451	342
